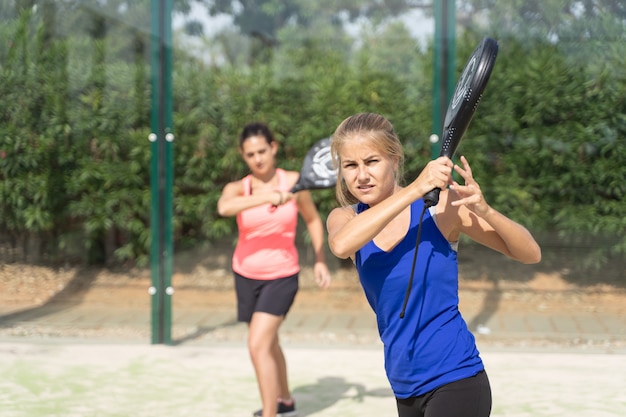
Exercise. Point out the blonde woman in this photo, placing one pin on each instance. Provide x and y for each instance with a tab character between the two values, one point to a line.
431	359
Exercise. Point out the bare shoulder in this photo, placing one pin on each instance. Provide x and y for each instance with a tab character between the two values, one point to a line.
291	174
341	214
292	177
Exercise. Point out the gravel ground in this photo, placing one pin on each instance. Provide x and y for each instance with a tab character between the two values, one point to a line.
36	301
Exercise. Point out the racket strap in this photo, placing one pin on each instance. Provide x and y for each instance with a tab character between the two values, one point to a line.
410	284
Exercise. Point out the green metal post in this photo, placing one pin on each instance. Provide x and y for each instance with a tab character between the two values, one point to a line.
444	67
161	172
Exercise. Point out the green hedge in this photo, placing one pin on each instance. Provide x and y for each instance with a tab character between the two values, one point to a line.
546	145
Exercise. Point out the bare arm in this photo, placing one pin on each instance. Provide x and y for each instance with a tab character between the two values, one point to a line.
315	227
487	226
232	201
507	237
347	233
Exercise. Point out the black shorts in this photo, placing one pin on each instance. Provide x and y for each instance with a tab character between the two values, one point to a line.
273	296
469	397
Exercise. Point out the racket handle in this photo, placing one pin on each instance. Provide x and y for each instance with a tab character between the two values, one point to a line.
431	198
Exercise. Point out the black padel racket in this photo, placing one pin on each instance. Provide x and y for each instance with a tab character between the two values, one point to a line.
317	170
467	94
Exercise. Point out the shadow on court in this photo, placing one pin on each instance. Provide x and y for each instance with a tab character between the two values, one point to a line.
203	331
70	296
328	391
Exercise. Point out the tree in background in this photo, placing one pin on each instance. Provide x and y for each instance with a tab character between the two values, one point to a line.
554	118
546	141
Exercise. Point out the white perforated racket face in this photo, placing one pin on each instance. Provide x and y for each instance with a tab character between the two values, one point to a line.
323	165
317	171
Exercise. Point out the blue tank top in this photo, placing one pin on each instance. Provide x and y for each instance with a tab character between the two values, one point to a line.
431	346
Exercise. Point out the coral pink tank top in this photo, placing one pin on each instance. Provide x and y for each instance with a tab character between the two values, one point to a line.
266	246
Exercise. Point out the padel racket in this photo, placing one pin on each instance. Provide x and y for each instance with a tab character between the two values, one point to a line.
467	94
317	170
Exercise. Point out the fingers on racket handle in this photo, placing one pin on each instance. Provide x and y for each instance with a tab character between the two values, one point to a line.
431	198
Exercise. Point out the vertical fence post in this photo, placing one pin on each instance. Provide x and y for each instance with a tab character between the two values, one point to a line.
161	172
444	67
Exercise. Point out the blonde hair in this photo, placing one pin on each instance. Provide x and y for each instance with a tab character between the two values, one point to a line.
378	131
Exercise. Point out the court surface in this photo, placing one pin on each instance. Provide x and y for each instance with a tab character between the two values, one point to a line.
72	379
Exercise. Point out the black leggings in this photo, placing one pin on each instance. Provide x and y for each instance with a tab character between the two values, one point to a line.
470	397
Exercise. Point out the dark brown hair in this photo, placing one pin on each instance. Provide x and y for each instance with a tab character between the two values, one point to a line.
256	129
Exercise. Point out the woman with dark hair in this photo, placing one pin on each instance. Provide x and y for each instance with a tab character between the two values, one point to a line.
265	261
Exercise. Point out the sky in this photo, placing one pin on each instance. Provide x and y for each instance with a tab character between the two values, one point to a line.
420	26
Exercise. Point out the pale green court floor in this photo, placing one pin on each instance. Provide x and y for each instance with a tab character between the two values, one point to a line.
216	380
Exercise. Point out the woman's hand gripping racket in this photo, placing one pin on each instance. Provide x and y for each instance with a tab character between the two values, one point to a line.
317	170
467	93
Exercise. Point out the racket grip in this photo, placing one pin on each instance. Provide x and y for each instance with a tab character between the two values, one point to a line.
431	198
